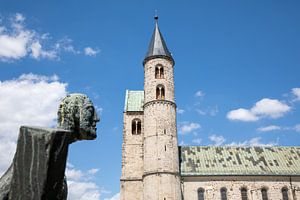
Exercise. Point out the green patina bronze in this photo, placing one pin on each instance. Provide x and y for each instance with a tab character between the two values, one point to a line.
77	113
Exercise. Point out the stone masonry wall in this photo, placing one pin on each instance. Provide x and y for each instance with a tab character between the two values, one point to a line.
132	159
161	161
150	82
161	148
131	190
254	184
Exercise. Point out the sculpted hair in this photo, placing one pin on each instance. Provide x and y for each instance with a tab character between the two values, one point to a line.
73	115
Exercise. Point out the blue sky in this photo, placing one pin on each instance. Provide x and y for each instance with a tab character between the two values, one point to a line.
236	73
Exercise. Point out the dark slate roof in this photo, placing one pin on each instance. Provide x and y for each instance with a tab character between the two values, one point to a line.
157	46
210	160
134	100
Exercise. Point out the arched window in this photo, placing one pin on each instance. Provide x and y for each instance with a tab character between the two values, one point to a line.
200	194
285	195
160	92
159	71
136	126
223	193
264	194
244	194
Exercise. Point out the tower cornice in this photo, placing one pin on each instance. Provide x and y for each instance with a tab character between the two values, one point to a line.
159	56
160	102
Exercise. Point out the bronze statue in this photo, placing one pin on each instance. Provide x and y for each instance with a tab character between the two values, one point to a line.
38	168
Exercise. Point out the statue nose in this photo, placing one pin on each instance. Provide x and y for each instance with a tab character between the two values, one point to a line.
96	118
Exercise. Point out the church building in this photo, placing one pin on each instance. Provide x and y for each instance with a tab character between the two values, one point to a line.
154	167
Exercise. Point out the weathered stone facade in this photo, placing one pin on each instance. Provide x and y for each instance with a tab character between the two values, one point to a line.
254	184
161	161
132	159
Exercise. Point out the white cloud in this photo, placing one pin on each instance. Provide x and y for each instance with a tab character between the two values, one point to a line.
211	111
256	141
187	127
28	100
90	51
199	93
200	112
115	197
269	128
19	17
83	191
296	92
297	127
197	141
37	52
180	111
271	108
182	143
93	171
17	42
81	185
74	174
217	139
242	114
14	46
65	44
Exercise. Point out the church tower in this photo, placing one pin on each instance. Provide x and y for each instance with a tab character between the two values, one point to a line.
150	161
161	179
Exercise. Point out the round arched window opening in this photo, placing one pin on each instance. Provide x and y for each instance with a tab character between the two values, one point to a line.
200	194
136	126
223	193
244	193
264	193
285	195
160	92
159	71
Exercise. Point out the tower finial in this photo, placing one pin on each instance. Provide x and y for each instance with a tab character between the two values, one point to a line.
156	16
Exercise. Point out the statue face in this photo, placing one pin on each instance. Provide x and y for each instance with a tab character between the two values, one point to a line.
88	121
77	114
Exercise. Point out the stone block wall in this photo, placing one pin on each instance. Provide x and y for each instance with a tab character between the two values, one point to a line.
253	184
161	148
132	159
150	82
131	190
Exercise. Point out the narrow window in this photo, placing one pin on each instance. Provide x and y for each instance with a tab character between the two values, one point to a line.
136	126
264	194
223	193
200	194
244	194
165	131
159	72
165	148
285	193
160	92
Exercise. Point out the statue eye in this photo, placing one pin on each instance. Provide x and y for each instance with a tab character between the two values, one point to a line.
91	110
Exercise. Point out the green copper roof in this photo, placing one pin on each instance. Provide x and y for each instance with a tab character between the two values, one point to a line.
134	100
200	160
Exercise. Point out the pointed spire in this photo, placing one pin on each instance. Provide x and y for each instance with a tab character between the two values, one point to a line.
157	46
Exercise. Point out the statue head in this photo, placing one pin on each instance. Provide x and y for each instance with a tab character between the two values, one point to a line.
77	114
